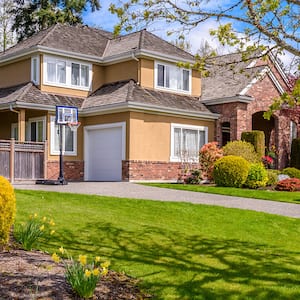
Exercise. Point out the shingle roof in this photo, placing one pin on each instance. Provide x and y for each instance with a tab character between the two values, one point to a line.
77	39
86	40
28	93
228	76
130	91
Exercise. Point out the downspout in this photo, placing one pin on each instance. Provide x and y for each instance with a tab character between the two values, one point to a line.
13	110
139	66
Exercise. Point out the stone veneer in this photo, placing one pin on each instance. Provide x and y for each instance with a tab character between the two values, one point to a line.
73	170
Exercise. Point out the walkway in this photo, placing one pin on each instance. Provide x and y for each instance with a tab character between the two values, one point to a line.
132	190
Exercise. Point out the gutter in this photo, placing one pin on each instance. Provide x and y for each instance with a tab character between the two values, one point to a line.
237	98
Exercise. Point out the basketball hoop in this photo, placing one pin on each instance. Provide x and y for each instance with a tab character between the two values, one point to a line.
74	125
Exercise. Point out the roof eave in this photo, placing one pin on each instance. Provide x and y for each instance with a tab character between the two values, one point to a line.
237	98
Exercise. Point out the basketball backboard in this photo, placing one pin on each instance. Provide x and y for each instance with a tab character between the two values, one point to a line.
66	114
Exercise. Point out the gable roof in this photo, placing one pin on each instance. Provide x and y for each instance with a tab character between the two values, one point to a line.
98	44
231	77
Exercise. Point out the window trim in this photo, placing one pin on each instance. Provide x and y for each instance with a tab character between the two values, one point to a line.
174	158
37	79
156	86
33	120
68	83
52	140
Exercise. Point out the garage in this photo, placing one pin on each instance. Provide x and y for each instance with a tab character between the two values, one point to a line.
104	150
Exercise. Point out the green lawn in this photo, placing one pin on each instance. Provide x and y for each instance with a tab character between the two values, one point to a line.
178	250
291	197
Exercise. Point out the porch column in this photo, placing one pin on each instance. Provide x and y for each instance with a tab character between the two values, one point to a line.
21	125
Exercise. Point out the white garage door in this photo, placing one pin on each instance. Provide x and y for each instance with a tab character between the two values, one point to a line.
104	148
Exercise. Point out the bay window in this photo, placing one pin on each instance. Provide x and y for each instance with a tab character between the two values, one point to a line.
186	141
172	77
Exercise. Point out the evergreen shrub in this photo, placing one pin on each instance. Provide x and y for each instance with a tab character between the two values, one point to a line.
231	171
7	209
292	172
243	149
272	177
257	139
257	176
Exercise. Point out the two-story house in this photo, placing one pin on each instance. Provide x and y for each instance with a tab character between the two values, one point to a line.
140	113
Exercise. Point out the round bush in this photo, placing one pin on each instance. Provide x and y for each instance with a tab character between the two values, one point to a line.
7	209
292	172
231	171
257	176
243	149
272	177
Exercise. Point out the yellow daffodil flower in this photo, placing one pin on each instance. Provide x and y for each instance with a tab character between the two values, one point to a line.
55	257
97	258
104	271
61	250
42	227
106	264
82	259
87	273
52	232
44	219
96	272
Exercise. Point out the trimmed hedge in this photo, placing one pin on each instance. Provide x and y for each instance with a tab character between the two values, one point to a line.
231	171
257	139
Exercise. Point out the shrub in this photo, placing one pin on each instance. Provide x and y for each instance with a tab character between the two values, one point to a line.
257	139
208	155
257	176
81	275
295	154
29	233
289	185
194	178
272	177
7	210
231	171
243	149
292	172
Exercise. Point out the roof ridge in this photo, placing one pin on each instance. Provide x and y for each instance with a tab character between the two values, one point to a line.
48	33
141	40
106	47
26	89
131	85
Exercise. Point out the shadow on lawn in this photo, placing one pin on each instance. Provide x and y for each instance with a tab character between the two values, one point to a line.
176	266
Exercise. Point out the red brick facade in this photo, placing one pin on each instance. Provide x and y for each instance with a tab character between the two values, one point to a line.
73	170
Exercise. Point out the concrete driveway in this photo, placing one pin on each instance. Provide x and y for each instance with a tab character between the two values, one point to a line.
133	190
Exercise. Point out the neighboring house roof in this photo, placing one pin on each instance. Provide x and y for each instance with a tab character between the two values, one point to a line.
231	77
96	43
28	95
122	95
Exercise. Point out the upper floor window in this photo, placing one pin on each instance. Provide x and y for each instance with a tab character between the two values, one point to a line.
67	73
35	69
172	77
186	141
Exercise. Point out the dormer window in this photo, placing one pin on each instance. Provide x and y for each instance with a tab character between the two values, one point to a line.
172	78
67	73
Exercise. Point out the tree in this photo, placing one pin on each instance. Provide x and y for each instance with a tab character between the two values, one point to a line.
6	35
35	15
265	21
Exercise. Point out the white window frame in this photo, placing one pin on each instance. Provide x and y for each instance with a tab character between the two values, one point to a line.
35	120
53	132
68	63
14	129
173	157
179	71
35	69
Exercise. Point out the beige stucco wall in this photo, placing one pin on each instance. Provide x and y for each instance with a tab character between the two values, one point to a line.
146	73
98	77
121	71
150	135
196	83
15	73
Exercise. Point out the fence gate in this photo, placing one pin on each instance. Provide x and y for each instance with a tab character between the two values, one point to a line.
22	160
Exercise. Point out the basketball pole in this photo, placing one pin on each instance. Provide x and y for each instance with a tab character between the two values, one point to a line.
61	178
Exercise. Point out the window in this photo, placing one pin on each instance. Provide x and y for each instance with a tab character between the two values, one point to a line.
172	78
66	73
69	139
36	129
35	69
186	141
293	131
14	131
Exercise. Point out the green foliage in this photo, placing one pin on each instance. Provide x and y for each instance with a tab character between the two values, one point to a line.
194	178
35	15
28	234
7	209
295	154
208	155
257	176
257	139
81	275
243	149
292	172
231	171
272	177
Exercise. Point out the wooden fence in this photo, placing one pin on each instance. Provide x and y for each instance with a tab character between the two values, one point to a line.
22	160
